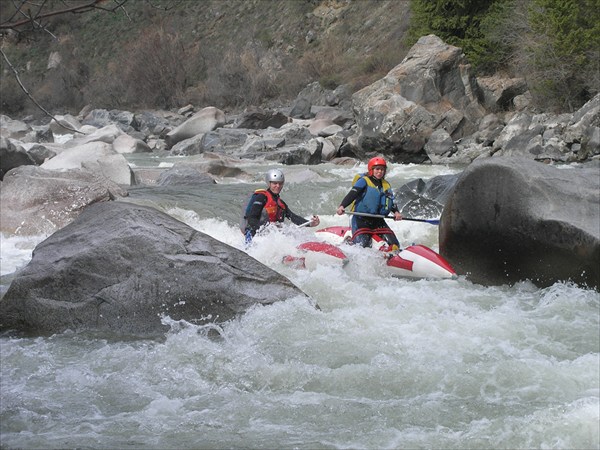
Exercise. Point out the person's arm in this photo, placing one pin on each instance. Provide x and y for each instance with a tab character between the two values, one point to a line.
299	220
295	218
258	202
352	195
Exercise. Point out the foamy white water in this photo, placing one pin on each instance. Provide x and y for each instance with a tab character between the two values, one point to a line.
384	362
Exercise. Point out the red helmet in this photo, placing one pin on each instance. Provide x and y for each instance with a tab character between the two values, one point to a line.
377	161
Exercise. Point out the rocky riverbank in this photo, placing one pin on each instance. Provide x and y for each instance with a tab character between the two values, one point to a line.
428	109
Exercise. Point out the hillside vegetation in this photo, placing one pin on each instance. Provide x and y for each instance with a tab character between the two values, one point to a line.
236	53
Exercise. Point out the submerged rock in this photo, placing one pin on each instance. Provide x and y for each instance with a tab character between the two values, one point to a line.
121	267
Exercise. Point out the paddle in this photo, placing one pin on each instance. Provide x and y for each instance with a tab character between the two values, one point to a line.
431	221
305	224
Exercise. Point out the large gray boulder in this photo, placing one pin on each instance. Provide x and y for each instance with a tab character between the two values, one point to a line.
432	88
35	201
107	134
122	268
128	144
217	165
512	219
96	156
221	140
64	124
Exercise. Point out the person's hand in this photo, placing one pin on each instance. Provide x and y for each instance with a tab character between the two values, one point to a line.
340	210
314	221
397	215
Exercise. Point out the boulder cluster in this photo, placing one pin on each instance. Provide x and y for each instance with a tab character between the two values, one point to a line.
427	109
507	217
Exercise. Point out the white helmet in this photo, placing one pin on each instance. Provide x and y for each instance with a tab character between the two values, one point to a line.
274	175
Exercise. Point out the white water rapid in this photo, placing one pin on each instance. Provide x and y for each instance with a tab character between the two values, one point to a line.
385	363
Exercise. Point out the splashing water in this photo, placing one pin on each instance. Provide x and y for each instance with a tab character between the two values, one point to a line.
384	363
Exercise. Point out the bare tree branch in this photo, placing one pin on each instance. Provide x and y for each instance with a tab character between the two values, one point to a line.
34	18
18	10
33	13
16	73
119	3
162	8
31	18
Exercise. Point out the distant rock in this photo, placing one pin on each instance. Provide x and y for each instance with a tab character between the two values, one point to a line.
73	157
64	124
121	268
100	118
216	165
498	92
205	120
439	146
106	134
154	122
12	155
301	109
259	119
221	140
318	125
128	144
186	176
15	129
513	219
98	157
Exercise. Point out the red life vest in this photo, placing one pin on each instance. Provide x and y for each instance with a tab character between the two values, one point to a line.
274	208
273	211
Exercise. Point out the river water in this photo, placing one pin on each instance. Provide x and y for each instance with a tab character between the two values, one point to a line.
385	363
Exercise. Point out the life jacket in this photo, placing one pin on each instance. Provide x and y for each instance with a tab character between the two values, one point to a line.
273	211
374	200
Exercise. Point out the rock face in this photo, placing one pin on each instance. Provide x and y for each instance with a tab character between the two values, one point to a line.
34	200
120	267
512	219
431	89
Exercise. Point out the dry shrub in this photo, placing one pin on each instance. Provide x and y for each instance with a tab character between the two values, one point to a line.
12	98
150	72
239	80
56	89
327	63
61	88
107	88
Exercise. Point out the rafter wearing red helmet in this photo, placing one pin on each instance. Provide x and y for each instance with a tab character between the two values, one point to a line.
371	194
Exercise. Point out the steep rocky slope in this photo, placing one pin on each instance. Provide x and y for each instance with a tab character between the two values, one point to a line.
227	53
